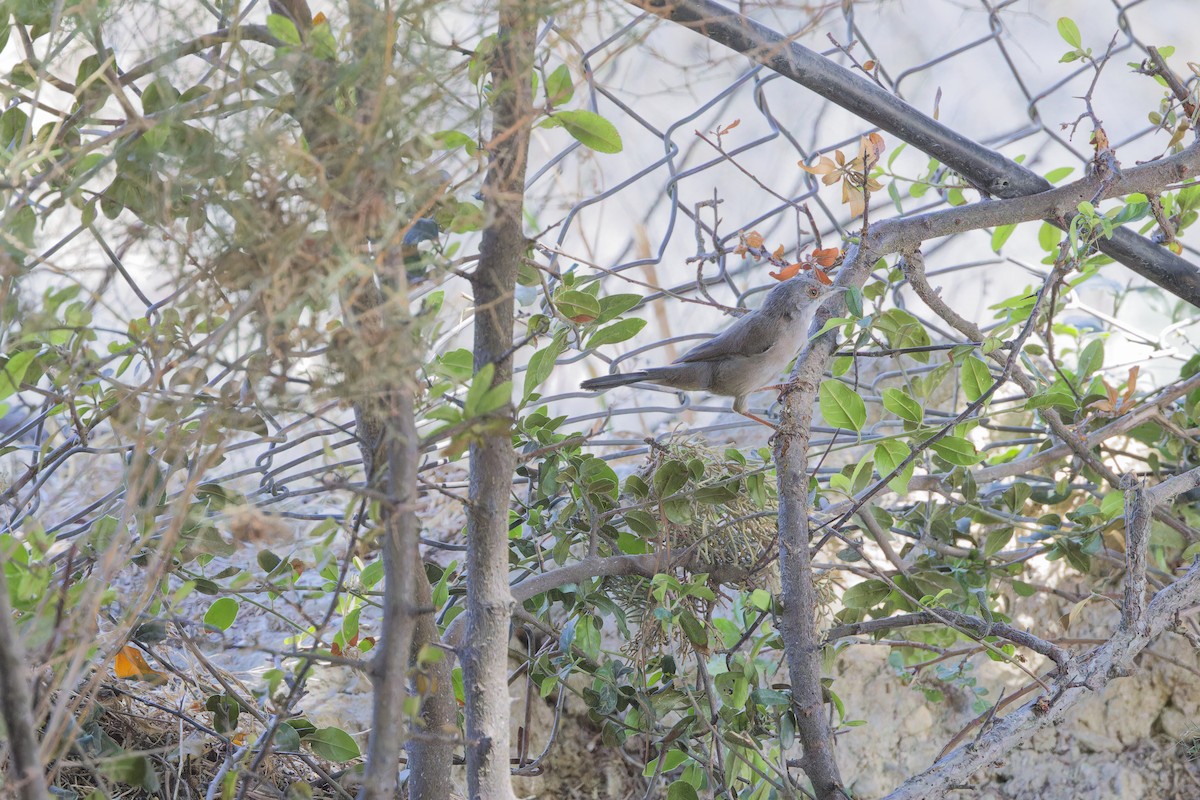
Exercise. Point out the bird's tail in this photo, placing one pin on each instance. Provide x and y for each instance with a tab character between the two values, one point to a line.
612	381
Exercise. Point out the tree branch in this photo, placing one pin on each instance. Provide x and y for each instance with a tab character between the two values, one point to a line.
646	566
1088	675
943	616
986	169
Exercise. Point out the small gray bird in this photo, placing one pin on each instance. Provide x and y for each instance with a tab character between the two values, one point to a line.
748	355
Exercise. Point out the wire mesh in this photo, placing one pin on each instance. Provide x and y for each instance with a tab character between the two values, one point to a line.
663	219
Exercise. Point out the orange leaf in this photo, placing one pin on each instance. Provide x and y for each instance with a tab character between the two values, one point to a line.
1131	387
754	239
335	649
582	318
729	127
854	197
790	271
130	664
778	254
319	18
1111	392
827	257
824	166
820	275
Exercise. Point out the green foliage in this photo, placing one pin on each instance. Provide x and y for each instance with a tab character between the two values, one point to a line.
841	406
589	128
284	249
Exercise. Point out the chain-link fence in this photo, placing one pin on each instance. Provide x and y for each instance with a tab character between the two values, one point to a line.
713	144
663	218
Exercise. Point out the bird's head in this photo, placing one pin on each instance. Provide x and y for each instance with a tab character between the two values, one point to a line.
801	295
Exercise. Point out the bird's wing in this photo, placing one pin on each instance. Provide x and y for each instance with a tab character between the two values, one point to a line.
749	336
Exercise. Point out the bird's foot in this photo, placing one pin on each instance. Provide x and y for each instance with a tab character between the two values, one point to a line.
759	420
787	387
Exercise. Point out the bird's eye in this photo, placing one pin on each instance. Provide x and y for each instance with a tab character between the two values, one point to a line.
813	292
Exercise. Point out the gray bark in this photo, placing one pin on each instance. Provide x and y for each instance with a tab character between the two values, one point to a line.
484	654
431	748
25	778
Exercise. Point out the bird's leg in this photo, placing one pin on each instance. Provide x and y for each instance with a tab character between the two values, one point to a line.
739	405
760	420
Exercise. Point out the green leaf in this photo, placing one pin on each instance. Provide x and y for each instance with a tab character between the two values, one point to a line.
451	140
1113	505
678	511
976	378
159	95
496	398
1091	358
324	46
222	613
1069	31
997	541
670	478
12	127
617	332
760	599
867	594
681	790
1056	175
831	323
902	405
1048	237
1000	236
541	364
283	29
670	760
890	454
133	770
559	89
371	574
770	697
643	523
957	451
841	406
615	305
333	743
854	301
693	628
903	330
456	365
480	384
577	306
1057	395
13	371
591	130
587	637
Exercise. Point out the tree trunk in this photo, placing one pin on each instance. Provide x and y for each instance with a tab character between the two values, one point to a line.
489	602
